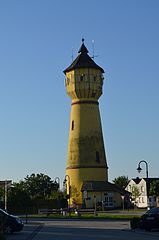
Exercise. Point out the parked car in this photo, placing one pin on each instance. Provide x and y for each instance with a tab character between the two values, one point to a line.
150	219
11	223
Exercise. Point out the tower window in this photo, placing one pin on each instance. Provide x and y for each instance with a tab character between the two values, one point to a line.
95	78
82	77
93	94
72	127
97	157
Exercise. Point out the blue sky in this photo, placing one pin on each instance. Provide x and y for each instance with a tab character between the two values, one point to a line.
36	42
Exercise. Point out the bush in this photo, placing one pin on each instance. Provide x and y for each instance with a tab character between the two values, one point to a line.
135	222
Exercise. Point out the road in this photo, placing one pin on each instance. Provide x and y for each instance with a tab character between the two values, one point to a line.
85	230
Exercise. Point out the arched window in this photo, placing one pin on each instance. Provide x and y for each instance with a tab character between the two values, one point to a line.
72	127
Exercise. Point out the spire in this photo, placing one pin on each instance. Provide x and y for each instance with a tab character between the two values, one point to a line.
83	60
83	49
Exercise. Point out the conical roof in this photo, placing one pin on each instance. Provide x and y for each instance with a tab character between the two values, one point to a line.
83	60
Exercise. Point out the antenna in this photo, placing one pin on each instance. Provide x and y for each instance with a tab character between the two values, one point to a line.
93	51
72	55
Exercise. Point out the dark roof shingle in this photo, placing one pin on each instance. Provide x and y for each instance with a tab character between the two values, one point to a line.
99	186
83	60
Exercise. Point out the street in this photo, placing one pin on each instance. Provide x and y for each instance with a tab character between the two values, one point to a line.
78	229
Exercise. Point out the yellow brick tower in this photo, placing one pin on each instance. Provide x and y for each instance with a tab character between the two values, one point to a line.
86	154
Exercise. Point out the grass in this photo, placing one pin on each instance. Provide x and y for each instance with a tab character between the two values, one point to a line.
121	215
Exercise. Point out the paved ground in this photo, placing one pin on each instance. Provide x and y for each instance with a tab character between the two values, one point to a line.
85	230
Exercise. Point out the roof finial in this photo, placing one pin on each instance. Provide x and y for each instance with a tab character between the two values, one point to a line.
83	49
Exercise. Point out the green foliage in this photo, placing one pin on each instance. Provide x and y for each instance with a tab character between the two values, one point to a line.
1	193
34	192
39	185
135	193
154	188
18	195
121	181
74	195
57	195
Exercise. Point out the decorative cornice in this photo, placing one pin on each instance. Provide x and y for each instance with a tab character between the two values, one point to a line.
85	102
83	166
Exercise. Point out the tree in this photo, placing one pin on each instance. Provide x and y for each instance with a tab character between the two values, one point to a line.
1	193
18	197
121	181
74	195
39	185
135	193
154	188
34	192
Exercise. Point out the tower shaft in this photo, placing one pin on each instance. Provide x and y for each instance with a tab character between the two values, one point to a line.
86	145
86	155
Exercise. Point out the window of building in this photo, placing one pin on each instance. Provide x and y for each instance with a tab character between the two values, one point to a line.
72	127
142	199
82	77
97	157
142	188
93	94
108	201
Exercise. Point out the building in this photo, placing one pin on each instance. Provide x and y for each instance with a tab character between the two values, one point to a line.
104	194
138	187
86	162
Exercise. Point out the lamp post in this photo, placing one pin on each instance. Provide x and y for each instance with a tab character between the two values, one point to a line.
68	187
122	197
57	180
95	205
139	169
5	194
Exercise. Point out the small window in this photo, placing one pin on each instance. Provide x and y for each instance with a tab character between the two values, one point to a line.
82	77
93	94
72	127
142	188
95	78
97	157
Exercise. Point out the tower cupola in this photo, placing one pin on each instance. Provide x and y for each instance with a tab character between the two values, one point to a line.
84	78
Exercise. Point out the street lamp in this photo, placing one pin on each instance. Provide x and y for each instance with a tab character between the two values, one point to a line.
5	194
122	197
68	187
95	205
57	180
139	169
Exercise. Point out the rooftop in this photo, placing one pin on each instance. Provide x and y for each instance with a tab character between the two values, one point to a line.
83	60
